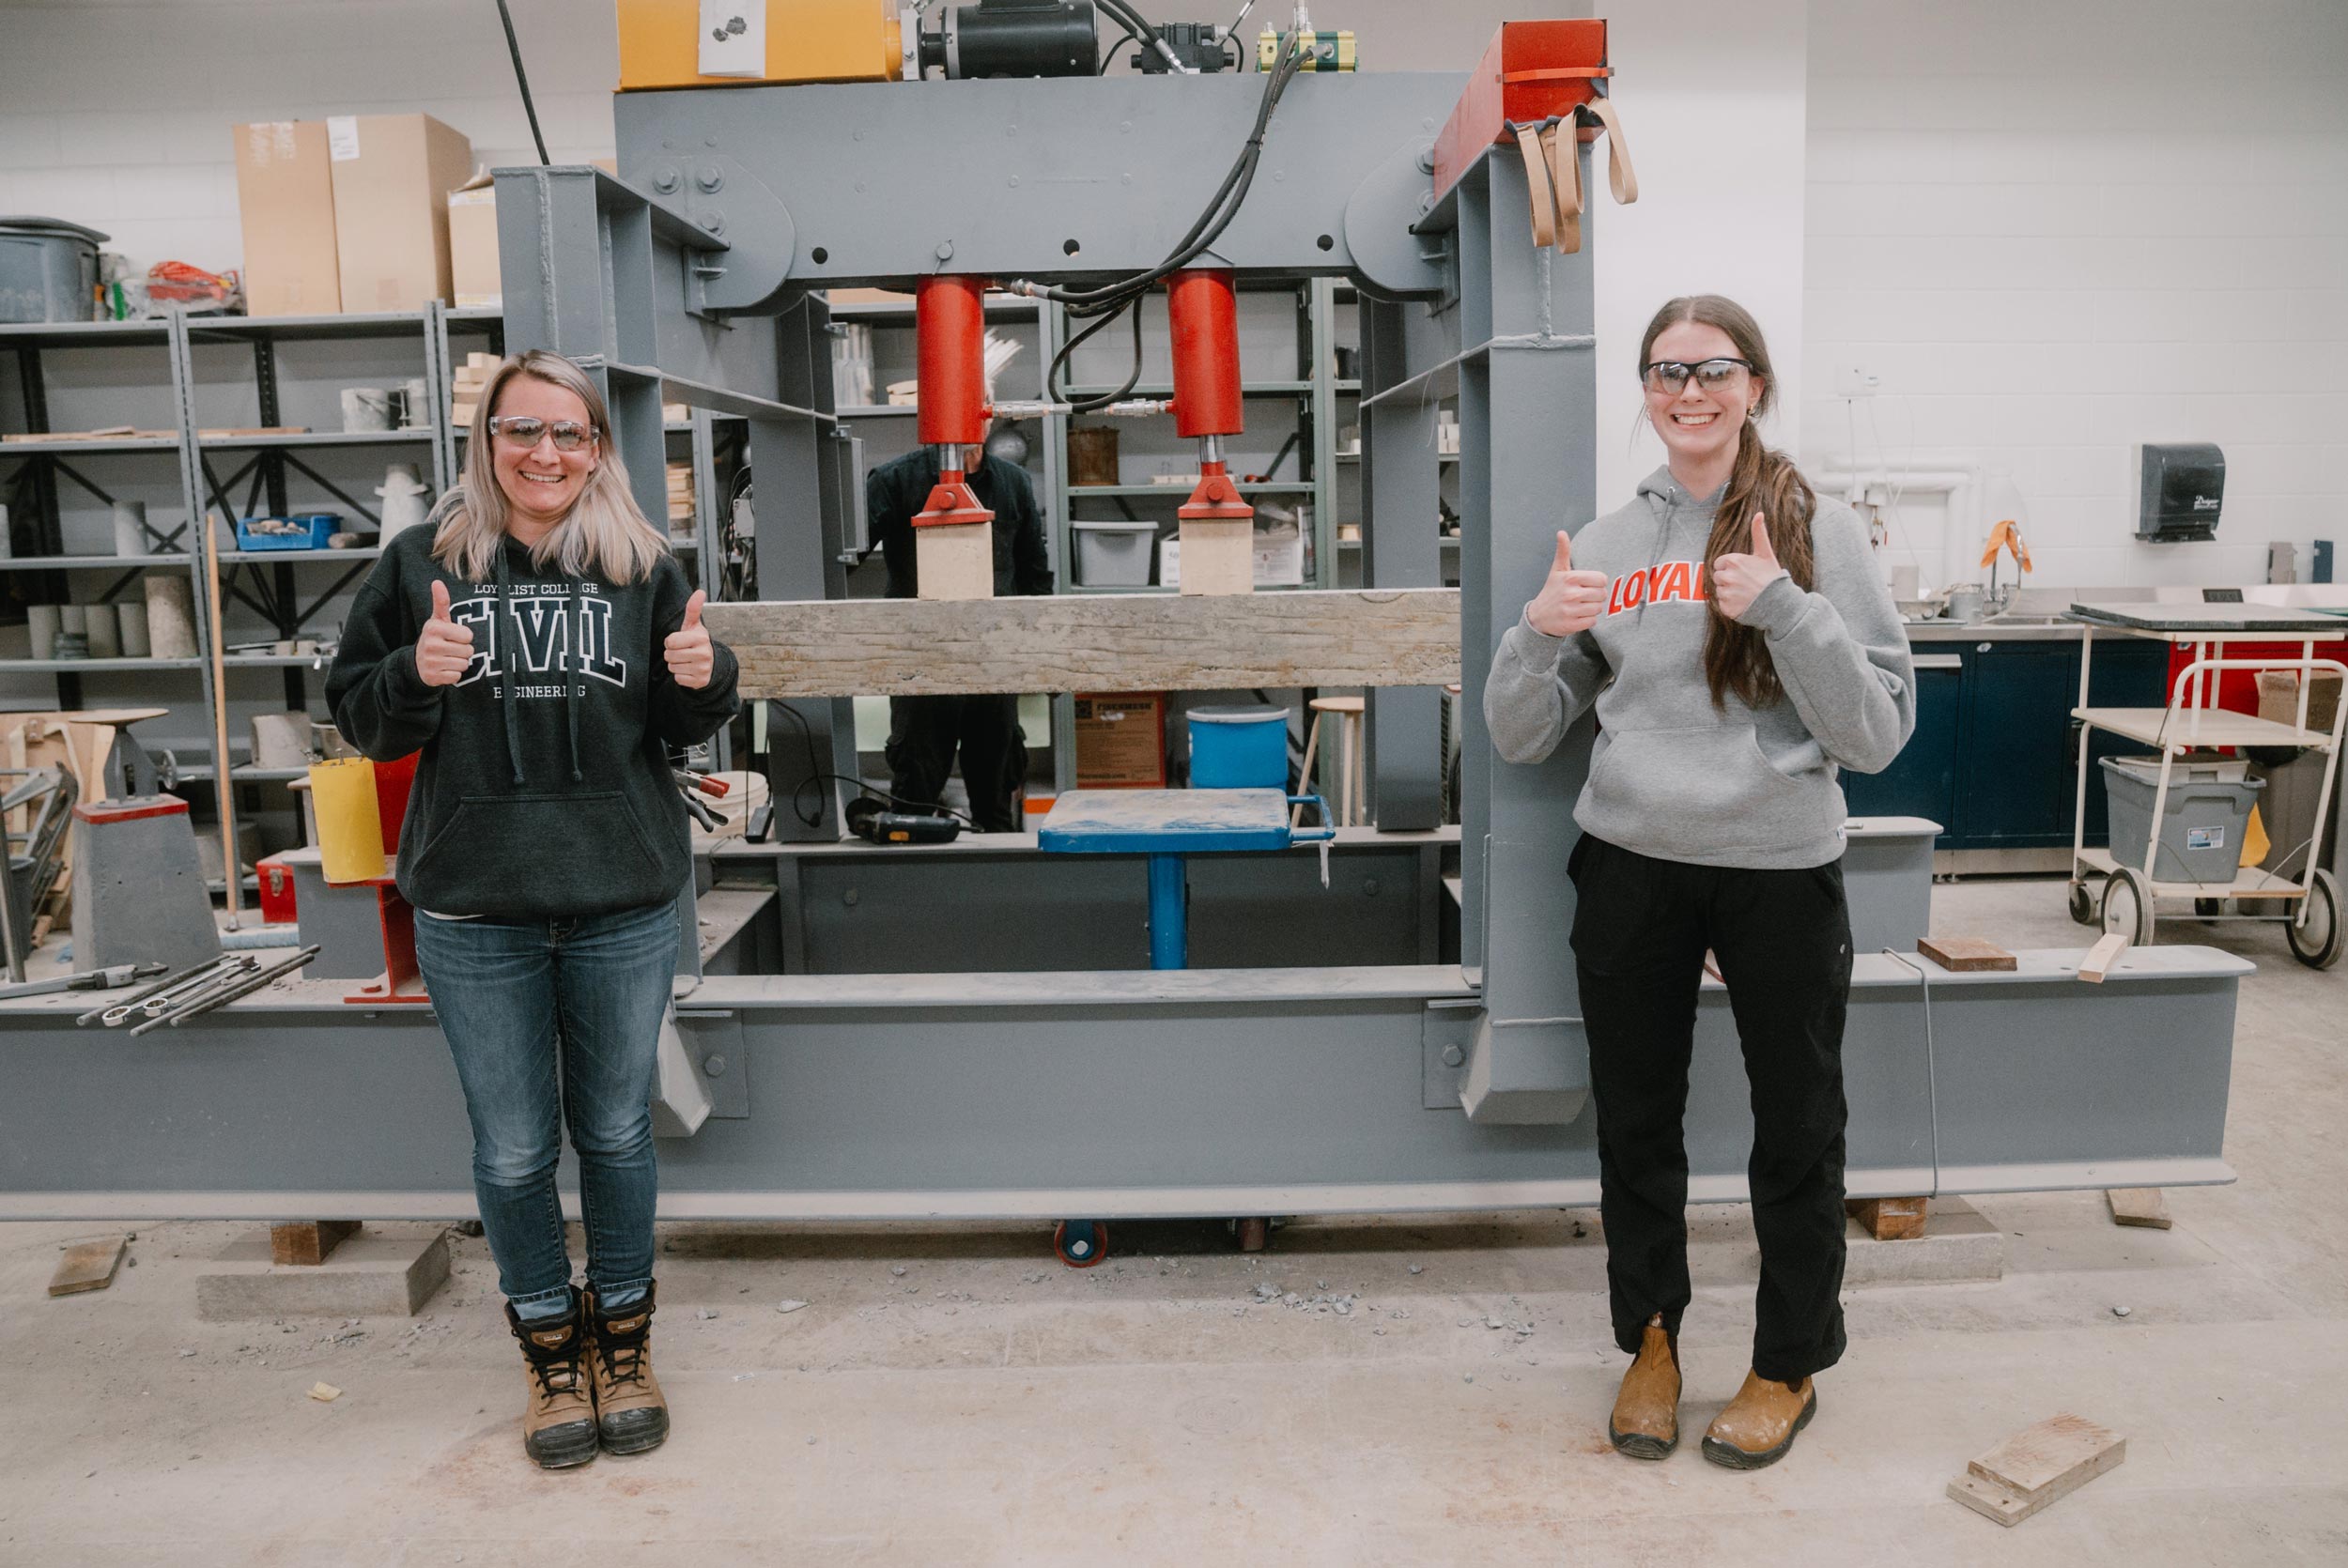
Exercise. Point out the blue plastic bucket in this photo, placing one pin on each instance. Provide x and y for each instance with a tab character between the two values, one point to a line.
1239	748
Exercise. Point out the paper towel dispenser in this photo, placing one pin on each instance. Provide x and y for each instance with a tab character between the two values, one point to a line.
2181	489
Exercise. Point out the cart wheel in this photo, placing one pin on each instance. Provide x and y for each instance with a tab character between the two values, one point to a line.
2317	944
2128	906
1080	1243
1252	1232
2083	904
2209	909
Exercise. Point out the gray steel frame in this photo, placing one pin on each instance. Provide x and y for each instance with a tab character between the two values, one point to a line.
1065	1093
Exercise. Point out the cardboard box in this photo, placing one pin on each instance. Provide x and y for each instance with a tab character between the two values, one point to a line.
285	199
1121	741
472	245
393	174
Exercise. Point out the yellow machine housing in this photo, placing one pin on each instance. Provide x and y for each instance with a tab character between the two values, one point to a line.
807	40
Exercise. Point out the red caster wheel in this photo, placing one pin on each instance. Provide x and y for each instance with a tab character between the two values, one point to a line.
1080	1243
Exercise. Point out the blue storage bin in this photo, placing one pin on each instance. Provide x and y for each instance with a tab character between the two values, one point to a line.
1239	748
303	530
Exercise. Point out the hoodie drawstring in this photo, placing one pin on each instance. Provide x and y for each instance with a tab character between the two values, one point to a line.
575	653
506	675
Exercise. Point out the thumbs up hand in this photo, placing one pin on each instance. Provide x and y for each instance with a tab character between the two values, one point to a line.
444	647
1570	602
688	649
1738	579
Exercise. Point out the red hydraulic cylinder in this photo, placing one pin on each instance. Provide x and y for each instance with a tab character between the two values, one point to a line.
1202	310
950	330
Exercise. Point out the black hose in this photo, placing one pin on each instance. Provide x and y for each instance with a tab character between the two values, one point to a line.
521	79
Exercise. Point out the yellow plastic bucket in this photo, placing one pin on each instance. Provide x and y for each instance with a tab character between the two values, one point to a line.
350	823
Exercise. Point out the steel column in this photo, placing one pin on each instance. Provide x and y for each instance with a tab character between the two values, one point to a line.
1400	475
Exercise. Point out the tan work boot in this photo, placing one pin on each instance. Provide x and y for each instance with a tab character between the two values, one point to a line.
559	1423
1645	1422
1758	1425
629	1409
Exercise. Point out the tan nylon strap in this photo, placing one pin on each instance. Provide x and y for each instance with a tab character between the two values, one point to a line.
1536	177
1620	176
1565	175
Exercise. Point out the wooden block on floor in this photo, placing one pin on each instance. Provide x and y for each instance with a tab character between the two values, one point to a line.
1888	1219
88	1265
1218	555
1964	955
385	1270
955	560
2138	1205
2037	1465
308	1243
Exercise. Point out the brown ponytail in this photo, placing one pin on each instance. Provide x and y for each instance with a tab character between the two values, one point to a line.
1735	657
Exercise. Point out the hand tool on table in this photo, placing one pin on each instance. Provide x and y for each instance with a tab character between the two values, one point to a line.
168	983
96	979
220	995
166	994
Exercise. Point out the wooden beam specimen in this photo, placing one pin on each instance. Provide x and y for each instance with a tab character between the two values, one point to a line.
1093	642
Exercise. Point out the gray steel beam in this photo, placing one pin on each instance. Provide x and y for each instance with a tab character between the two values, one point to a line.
1196	1092
1399	549
1527	414
869	182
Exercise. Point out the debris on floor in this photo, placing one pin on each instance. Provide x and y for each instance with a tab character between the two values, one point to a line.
325	1394
789	1304
2037	1465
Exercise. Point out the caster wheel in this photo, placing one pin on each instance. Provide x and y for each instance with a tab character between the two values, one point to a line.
1080	1243
2209	909
2316	942
2083	904
1252	1234
2128	906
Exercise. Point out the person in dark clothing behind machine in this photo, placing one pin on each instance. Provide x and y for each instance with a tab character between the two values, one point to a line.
925	731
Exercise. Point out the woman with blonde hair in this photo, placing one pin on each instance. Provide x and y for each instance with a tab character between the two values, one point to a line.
1734	635
541	648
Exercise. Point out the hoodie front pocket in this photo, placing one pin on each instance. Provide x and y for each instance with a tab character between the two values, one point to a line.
1692	793
537	852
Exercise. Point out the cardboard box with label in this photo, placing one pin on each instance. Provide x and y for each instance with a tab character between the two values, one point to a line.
286	201
393	174
1121	741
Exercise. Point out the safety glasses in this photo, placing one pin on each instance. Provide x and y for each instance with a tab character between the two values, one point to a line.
524	431
1670	376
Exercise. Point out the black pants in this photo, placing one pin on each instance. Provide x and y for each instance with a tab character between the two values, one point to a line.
1783	942
923	734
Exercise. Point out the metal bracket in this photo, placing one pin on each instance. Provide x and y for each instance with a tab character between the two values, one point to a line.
1446	1033
1379	218
715	1045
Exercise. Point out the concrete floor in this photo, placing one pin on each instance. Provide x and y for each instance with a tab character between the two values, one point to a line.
957	1396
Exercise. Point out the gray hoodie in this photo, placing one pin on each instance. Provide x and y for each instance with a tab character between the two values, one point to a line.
1672	776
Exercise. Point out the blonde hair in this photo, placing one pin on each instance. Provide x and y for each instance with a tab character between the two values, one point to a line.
605	535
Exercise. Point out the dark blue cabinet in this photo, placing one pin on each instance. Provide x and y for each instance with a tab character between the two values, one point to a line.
1995	756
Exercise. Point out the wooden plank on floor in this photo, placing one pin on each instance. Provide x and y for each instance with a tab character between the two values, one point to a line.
2037	1465
88	1265
1093	642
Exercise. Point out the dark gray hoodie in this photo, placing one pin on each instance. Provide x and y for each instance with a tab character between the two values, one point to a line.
1671	776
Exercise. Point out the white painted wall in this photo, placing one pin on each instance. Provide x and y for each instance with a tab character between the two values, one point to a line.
2056	230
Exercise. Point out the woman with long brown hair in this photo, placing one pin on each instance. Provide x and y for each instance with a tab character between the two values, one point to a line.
541	648
1732	633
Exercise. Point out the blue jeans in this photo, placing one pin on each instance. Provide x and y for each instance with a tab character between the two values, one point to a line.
552	1020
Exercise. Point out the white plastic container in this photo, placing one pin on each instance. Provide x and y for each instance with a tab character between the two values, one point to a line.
1113	555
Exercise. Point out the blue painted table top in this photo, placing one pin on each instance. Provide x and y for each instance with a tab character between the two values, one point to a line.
1166	821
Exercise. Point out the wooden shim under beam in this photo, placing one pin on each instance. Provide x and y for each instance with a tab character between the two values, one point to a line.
1093	642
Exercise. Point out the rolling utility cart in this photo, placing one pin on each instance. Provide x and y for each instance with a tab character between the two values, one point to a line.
2184	856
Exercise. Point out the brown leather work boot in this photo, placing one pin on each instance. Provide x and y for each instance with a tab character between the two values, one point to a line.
629	1409
1645	1422
1758	1425
559	1423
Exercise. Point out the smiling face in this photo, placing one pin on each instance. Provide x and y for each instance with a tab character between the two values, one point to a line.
1700	427
540	482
